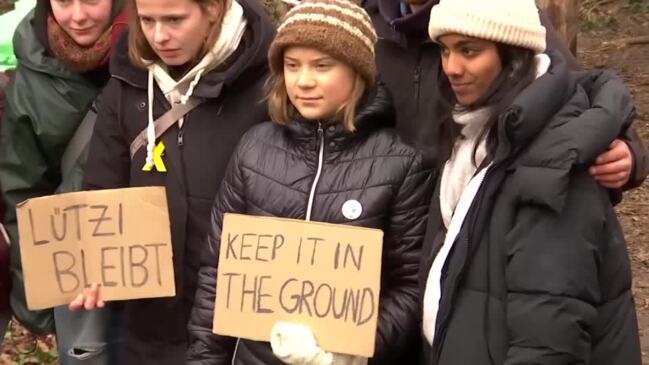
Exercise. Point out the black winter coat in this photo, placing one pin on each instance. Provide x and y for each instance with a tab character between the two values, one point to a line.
271	174
409	64
155	330
539	273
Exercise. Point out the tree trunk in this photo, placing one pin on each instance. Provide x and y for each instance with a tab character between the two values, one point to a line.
565	18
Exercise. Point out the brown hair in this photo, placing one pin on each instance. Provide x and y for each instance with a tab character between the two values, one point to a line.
139	48
282	111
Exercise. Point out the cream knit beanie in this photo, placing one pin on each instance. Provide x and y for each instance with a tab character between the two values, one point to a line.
339	28
514	22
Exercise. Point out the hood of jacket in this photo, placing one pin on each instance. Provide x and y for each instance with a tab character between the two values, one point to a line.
248	62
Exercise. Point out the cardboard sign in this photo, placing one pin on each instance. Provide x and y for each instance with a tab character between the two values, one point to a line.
118	238
325	276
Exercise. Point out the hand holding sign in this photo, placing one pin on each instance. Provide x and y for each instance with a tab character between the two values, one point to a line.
119	239
295	344
87	300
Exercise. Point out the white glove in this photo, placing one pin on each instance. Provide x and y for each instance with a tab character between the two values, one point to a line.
295	344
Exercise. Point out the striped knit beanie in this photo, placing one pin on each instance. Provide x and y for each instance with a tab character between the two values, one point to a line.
514	22
339	28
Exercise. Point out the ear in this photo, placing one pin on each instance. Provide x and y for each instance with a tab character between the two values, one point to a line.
215	8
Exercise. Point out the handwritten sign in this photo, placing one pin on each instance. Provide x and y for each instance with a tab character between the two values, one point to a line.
118	238
325	276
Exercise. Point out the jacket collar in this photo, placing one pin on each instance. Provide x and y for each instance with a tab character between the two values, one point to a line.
250	56
377	112
404	30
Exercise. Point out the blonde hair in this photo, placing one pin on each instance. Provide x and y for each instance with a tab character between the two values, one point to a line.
282	111
139	49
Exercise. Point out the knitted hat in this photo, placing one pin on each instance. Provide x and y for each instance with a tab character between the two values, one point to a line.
339	28
514	22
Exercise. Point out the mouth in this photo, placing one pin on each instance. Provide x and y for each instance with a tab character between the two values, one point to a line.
308	99
461	87
82	31
167	52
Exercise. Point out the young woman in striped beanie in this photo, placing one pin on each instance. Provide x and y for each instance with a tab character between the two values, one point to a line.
330	154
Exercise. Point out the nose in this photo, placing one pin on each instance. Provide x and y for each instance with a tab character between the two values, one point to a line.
453	65
305	78
79	14
161	35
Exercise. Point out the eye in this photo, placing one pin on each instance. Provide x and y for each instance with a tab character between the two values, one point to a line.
470	52
146	20
444	51
289	65
174	20
323	66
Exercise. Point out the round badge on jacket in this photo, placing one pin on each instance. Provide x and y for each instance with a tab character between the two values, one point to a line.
352	209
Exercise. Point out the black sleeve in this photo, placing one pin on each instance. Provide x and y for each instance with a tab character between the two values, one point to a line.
206	347
399	311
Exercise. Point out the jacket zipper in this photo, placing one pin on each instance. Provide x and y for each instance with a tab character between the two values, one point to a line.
236	348
318	171
181	133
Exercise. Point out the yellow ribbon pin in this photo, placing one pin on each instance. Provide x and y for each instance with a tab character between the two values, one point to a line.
159	164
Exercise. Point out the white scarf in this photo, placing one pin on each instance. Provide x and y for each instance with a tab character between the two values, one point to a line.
233	28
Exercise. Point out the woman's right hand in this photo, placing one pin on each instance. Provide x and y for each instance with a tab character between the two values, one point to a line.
87	300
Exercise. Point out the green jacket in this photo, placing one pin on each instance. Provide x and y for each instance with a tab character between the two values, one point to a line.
44	104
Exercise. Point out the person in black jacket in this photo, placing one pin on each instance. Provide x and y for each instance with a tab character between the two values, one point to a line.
408	63
211	53
331	147
524	259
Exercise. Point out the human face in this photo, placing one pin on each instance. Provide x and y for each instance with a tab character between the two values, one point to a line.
176	29
471	65
83	20
317	84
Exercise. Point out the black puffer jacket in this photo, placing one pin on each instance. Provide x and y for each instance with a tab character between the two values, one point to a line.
539	273
196	158
271	174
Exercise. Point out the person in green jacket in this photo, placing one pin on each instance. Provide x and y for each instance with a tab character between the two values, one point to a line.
62	49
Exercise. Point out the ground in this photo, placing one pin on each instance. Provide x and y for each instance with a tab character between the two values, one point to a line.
615	35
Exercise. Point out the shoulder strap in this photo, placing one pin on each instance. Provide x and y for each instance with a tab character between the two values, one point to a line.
79	141
165	122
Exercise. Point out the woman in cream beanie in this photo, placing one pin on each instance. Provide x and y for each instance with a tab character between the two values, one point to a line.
524	261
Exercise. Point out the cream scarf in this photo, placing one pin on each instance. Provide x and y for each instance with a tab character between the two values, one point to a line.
232	30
